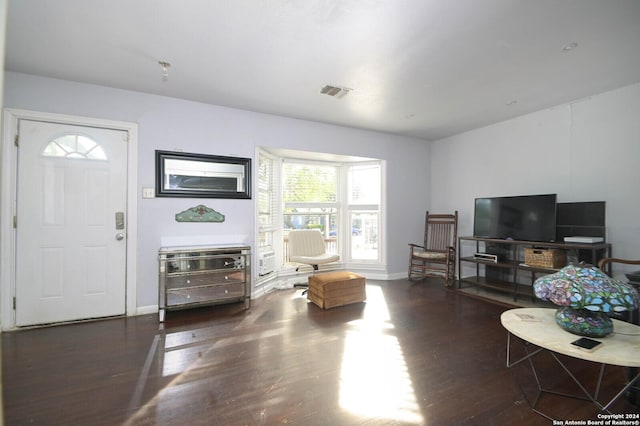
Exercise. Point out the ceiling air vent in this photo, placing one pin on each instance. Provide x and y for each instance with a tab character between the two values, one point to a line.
335	91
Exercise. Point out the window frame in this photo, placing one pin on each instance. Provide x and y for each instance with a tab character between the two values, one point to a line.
350	208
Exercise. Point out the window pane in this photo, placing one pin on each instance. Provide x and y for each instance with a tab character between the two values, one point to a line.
68	143
266	203
364	184
265	240
85	144
309	183
54	150
74	147
364	243
324	219
265	194
97	153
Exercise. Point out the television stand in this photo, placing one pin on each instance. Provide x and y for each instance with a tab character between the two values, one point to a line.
508	273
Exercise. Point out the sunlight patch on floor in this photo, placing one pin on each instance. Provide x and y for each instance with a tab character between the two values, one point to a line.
299	294
374	380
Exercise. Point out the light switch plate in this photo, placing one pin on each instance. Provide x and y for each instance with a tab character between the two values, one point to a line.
148	193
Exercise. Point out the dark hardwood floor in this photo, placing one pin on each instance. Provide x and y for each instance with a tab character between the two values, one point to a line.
414	353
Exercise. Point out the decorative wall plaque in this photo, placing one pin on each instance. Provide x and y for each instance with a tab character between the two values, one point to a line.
199	214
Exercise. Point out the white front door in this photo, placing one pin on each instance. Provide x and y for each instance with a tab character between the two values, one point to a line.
71	223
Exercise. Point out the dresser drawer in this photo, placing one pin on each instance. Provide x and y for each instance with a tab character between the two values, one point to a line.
205	294
208	278
194	263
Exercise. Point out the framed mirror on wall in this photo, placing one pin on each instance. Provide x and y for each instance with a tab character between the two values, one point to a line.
181	174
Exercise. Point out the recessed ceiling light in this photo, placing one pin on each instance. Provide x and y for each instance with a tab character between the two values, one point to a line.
570	46
165	69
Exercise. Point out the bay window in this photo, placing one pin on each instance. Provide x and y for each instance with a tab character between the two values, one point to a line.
340	199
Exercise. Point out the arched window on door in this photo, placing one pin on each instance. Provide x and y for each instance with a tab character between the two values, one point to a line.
75	146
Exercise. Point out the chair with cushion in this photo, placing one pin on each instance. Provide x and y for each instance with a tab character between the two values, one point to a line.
307	246
604	262
437	256
633	278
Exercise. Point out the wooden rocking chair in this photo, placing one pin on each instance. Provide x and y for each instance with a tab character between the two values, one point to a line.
437	256
631	316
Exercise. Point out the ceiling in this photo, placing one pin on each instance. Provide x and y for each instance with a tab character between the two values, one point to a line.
421	68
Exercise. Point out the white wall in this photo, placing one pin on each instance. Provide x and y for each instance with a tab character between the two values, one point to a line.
169	124
588	150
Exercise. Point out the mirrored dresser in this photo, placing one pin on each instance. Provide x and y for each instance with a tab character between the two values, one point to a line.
192	276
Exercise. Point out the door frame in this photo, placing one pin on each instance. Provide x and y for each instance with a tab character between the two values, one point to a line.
8	188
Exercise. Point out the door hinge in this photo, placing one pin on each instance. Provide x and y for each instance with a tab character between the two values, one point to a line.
15	222
16	139
14	303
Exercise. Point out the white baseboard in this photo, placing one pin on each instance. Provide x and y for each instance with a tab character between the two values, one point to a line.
146	310
396	276
263	290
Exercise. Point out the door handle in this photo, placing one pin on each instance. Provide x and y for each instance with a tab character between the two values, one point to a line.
119	236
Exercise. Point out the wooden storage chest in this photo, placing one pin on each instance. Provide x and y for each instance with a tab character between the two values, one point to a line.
331	289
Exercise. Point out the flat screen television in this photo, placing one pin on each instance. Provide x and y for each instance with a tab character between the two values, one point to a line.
526	217
585	219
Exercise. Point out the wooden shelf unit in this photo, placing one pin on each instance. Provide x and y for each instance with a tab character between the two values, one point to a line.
509	273
191	276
